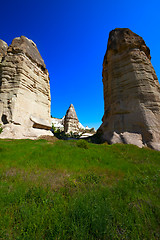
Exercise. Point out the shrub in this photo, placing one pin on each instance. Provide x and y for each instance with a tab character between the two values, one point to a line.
53	127
82	144
1	129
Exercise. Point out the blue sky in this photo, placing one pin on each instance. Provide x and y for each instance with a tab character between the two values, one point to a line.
72	36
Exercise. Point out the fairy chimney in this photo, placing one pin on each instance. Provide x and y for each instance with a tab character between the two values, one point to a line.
24	90
71	121
131	92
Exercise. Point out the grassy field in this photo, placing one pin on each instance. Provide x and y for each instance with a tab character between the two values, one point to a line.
78	190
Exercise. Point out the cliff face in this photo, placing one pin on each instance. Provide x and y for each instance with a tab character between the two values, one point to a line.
24	90
131	92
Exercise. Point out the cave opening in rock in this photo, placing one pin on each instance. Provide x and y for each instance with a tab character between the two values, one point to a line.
4	119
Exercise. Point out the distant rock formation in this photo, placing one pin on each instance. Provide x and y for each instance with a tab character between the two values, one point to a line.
131	92
58	123
71	121
24	90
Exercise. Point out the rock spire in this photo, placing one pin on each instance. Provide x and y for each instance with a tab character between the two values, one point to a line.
71	121
131	92
24	90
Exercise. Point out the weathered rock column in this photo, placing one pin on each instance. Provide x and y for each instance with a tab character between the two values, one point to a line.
24	91
71	121
131	92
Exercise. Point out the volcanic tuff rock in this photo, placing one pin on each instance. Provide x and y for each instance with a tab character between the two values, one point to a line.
3	49
24	90
131	92
71	120
70	124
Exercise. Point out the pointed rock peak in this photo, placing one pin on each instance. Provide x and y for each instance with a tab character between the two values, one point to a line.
71	113
71	106
28	47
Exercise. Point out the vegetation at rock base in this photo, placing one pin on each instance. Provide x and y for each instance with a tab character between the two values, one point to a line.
1	129
60	134
60	190
82	144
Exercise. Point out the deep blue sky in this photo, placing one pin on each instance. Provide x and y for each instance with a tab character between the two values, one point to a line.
72	36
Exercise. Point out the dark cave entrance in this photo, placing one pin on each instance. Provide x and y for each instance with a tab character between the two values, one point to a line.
4	119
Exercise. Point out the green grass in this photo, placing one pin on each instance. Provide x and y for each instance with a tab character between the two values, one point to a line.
78	190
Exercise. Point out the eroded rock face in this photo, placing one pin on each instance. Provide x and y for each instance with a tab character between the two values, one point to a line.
3	49
71	121
24	90
131	92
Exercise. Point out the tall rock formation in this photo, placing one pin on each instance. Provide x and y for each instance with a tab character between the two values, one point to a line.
24	90
71	121
131	92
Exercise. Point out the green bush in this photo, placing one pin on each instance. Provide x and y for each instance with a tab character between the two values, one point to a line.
1	129
82	144
53	127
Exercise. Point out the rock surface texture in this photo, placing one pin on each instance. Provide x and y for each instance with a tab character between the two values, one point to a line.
24	90
3	49
131	92
71	121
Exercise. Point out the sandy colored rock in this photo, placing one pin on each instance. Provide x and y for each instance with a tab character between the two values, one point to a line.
40	123
71	121
23	45
3	49
24	91
131	92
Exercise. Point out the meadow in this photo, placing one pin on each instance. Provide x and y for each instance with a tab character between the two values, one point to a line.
78	190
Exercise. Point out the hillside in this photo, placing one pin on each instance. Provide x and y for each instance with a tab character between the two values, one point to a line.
78	190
